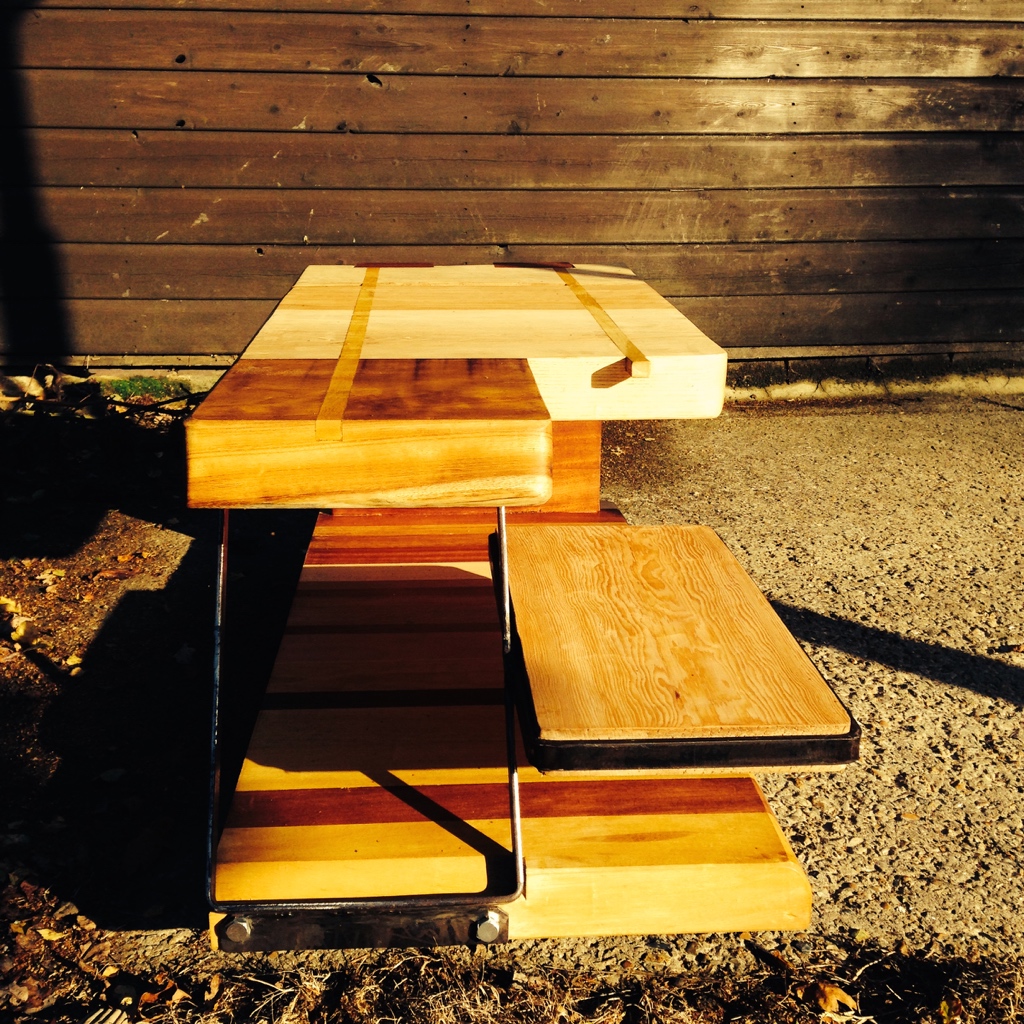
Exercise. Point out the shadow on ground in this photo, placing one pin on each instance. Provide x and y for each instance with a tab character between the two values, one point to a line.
975	672
117	821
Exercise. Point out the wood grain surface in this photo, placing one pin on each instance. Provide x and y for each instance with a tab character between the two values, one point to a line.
828	10
173	159
447	432
101	271
545	216
462	44
656	632
196	152
599	342
261	101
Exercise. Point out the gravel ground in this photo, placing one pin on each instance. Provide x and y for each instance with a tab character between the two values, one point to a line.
888	537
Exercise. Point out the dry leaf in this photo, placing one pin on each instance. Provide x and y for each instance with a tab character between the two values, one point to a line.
951	1009
23	630
50	935
827	997
213	989
17	994
113	574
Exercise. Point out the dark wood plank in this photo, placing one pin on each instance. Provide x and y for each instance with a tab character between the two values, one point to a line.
827	10
125	327
386	536
920	318
255	101
335	663
466	45
283	808
444	389
373	217
139	271
177	159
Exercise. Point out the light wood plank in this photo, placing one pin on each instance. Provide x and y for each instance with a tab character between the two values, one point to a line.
656	632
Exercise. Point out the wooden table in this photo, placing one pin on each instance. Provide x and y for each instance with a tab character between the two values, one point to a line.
406	400
438	386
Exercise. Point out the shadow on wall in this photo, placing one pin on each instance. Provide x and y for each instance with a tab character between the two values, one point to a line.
35	323
975	672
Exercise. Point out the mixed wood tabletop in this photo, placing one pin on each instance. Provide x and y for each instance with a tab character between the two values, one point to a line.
437	386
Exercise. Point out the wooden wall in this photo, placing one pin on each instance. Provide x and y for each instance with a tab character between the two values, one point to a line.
842	176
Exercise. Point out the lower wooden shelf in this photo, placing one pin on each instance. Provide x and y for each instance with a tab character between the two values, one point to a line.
377	769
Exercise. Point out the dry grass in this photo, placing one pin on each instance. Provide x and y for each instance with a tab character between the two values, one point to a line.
446	987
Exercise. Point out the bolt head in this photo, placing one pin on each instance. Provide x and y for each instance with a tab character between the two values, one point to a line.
488	928
239	929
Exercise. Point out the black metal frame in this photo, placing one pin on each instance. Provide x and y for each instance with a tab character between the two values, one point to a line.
421	920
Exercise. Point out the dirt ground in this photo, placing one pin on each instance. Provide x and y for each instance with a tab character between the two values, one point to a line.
106	584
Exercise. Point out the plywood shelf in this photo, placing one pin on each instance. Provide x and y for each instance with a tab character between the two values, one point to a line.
650	646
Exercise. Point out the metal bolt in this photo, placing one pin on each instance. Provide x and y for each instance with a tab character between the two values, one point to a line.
238	930
488	928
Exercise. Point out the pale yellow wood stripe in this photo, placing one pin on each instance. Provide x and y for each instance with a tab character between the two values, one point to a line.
656	632
468	332
301	334
253	463
332	411
320	297
666	900
311	861
639	365
401	858
496	294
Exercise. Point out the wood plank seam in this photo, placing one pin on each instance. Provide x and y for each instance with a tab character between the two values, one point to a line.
636	362
332	410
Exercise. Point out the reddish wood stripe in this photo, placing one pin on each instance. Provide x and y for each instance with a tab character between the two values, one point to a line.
407	627
313	701
371	805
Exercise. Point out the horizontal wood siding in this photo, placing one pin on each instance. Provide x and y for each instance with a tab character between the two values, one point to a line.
841	176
